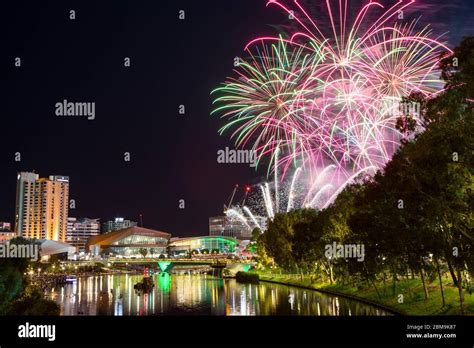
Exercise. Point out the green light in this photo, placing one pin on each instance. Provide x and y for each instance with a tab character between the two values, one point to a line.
164	265
165	282
246	268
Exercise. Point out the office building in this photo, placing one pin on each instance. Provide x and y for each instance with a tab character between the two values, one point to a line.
229	227
5	227
79	230
118	224
6	232
42	206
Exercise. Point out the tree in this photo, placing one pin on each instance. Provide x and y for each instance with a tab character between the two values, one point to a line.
263	258
448	171
256	232
11	282
420	207
278	238
17	296
32	302
143	252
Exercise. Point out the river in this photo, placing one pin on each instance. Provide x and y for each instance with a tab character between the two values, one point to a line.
197	295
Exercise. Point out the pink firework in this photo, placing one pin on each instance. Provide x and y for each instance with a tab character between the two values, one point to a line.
328	92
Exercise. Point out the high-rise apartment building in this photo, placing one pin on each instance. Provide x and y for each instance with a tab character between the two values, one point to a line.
42	206
79	230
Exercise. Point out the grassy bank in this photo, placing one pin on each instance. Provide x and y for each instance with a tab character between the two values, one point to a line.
414	302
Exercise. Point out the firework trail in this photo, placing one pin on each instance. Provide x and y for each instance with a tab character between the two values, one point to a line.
323	190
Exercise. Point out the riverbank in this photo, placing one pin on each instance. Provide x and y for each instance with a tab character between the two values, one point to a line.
413	303
51	280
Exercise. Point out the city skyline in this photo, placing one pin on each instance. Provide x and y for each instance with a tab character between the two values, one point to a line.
173	155
174	164
43	206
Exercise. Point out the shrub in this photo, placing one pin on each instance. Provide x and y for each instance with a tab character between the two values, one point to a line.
33	302
244	277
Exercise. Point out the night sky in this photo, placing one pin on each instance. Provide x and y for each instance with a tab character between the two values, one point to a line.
173	62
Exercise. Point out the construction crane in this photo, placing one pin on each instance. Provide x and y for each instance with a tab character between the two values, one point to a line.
247	191
231	199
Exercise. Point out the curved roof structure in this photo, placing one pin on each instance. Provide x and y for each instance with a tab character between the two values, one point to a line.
188	239
53	247
132	236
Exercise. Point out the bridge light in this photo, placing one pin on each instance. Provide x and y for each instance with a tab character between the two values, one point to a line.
164	265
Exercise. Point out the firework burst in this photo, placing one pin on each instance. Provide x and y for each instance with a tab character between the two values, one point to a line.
326	95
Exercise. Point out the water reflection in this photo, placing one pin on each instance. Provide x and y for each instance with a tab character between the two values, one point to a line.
197	295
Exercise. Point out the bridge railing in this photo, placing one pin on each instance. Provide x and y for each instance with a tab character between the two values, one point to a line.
299	276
